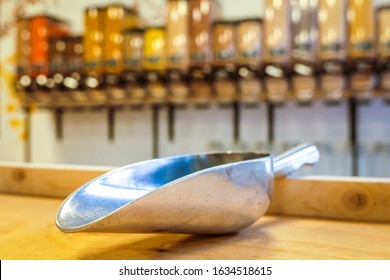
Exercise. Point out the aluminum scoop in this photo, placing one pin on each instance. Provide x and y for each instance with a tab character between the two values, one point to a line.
210	193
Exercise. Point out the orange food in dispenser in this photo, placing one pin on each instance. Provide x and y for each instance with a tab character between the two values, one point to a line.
42	28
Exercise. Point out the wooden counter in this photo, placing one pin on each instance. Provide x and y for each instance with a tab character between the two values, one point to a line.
305	227
27	231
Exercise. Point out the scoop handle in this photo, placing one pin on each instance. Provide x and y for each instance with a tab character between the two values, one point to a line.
293	159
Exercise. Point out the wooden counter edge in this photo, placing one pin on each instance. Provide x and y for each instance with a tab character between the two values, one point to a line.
352	198
47	180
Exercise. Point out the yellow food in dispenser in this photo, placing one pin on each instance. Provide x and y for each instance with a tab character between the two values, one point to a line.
361	19
154	49
384	31
113	18
93	40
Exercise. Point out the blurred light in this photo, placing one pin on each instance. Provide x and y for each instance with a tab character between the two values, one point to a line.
25	80
41	80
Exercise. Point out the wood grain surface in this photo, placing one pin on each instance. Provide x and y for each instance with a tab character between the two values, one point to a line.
48	180
28	231
348	198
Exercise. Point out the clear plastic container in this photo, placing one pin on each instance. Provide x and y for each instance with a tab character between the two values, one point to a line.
249	59
177	34
202	15
250	41
362	48
362	31
383	16
224	47
23	45
133	44
93	41
332	48
154	48
332	29
277	49
277	33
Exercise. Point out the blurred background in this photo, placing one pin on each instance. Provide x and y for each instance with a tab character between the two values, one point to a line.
112	83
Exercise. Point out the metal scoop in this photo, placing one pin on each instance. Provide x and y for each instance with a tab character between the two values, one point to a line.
210	193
